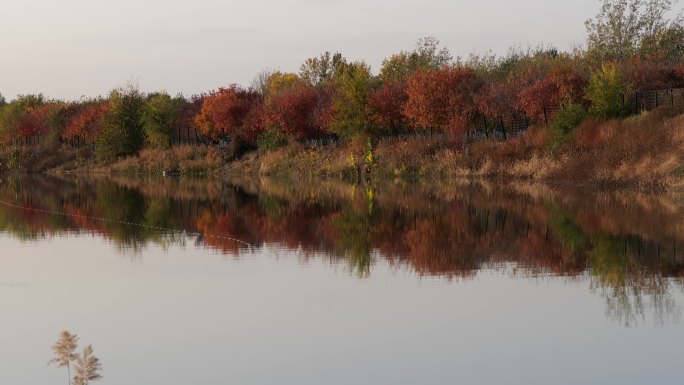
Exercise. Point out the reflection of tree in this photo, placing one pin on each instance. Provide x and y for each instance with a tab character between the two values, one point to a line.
629	284
450	232
352	229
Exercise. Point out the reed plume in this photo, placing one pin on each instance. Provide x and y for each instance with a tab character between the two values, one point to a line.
65	352
87	367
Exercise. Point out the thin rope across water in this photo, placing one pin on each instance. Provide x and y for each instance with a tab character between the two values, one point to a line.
134	224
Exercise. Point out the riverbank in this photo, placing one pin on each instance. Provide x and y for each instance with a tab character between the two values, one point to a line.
644	150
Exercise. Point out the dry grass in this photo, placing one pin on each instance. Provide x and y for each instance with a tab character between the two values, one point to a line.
188	160
645	150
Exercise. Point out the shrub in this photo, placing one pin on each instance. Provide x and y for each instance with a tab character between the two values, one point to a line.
569	116
271	140
123	132
606	91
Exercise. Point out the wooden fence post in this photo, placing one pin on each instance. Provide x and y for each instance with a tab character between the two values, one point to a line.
636	102
546	119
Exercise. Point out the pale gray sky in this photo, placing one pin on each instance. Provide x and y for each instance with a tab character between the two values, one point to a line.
69	48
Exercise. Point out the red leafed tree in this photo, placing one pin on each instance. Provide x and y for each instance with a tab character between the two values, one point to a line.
385	105
443	99
292	112
224	112
498	97
559	86
85	125
644	74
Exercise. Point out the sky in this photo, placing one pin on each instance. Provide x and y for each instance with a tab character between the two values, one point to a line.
67	49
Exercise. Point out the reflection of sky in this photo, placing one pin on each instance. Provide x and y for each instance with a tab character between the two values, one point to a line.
192	316
70	48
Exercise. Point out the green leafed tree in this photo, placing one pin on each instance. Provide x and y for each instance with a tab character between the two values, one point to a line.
624	28
159	118
317	70
123	132
350	115
428	54
605	92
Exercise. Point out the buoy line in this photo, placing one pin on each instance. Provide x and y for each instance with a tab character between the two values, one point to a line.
181	232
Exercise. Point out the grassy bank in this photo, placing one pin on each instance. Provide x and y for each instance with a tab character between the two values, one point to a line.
645	150
642	150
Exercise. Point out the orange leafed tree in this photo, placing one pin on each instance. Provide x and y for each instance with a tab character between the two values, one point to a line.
443	99
85	125
225	112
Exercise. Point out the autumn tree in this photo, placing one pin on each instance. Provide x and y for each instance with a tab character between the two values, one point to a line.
159	118
123	132
317	70
16	118
84	126
426	55
623	28
443	99
225	113
561	85
605	92
186	124
349	115
385	105
292	111
65	352
279	82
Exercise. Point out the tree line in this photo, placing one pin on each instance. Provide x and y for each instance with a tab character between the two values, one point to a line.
631	45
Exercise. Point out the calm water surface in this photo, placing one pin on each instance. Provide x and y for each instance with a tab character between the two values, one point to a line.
260	282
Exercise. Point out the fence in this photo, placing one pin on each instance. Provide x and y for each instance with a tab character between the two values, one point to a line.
515	123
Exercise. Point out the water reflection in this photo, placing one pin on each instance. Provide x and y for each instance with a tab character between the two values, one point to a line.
627	245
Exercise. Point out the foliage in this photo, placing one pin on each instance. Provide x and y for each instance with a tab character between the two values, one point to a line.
225	112
16	120
443	99
567	118
292	111
159	117
559	86
122	131
624	28
385	105
279	82
426	55
349	115
318	70
270	140
86	123
606	92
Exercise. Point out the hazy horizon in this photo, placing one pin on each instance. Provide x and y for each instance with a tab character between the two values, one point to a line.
85	48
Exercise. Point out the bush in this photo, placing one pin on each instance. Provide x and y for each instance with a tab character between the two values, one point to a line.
606	91
271	140
569	116
123	132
